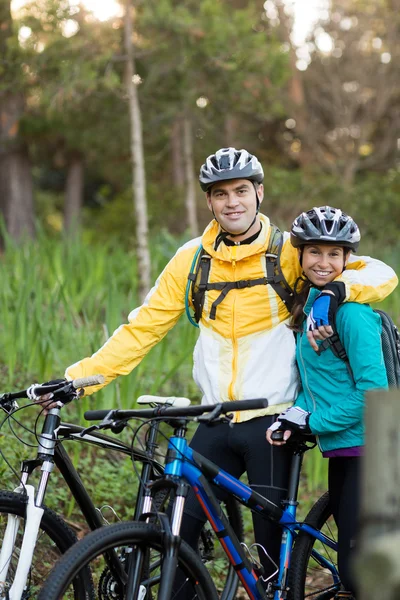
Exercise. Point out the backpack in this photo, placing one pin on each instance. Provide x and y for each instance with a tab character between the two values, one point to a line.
390	338
198	283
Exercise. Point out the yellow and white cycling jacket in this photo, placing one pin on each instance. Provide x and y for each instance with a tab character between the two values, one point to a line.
247	351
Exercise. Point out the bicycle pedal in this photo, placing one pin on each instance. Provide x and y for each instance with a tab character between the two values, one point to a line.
342	595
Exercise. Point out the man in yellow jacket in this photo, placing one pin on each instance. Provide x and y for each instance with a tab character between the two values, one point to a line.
244	349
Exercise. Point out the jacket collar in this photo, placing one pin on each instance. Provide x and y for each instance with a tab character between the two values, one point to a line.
224	252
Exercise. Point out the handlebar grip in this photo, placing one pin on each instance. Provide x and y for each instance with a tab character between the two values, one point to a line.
84	382
4	398
253	404
96	415
277	435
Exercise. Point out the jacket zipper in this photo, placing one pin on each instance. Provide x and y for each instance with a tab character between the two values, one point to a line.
234	340
306	383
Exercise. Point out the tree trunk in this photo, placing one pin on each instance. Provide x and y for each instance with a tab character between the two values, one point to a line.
296	99
349	171
73	194
178	171
190	198
231	127
137	157
16	193
16	189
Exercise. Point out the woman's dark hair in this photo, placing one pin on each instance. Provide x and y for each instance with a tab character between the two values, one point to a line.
301	290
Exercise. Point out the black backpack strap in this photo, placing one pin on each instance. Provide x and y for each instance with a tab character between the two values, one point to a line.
199	279
227	286
275	277
335	344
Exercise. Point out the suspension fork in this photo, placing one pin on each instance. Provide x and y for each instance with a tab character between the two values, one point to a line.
170	528
34	510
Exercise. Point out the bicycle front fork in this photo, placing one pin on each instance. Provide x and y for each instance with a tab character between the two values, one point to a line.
33	518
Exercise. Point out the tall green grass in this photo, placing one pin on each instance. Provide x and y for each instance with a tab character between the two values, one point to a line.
60	299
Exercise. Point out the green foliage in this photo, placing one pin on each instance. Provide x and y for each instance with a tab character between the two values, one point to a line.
61	301
373	201
208	49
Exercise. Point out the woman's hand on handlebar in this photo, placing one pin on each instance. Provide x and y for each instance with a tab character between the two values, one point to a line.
274	430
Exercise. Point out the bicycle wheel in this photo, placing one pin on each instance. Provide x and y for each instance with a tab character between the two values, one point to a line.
123	538
54	538
307	577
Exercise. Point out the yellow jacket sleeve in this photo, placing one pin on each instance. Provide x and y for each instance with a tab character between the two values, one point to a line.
368	280
146	326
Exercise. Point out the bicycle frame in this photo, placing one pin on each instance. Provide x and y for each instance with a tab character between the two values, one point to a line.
185	464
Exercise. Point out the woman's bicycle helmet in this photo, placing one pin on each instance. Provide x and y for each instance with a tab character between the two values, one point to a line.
325	225
229	163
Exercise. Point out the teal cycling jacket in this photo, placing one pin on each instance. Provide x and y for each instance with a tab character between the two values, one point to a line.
334	399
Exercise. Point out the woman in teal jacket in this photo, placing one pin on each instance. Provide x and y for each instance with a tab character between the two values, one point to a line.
331	402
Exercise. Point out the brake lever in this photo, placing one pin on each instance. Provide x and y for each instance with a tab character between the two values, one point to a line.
8	405
89	430
66	394
211	416
115	426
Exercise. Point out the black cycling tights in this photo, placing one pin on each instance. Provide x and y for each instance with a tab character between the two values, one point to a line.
237	449
344	493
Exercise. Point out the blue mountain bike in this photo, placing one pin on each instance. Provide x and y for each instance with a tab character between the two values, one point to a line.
151	550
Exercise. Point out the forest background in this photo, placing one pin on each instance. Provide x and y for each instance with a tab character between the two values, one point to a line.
104	125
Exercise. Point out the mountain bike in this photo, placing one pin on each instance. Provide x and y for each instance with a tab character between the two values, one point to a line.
34	536
306	567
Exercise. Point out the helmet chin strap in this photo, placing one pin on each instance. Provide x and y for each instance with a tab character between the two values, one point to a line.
224	233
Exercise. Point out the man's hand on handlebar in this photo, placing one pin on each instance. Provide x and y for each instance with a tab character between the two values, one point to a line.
52	399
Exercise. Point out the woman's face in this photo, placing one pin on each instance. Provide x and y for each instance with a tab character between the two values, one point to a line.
322	263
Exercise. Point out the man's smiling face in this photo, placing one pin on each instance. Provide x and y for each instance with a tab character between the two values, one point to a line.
234	204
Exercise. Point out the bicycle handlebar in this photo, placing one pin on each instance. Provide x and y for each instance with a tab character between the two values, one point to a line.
41	390
172	411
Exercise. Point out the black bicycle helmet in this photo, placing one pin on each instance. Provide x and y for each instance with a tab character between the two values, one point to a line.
229	163
327	225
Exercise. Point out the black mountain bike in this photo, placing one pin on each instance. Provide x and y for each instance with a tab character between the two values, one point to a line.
33	537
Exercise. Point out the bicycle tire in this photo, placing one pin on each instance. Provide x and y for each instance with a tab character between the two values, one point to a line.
308	579
114	537
54	539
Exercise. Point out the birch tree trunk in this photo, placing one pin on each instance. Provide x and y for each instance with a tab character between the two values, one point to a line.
137	158
190	197
178	171
73	193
